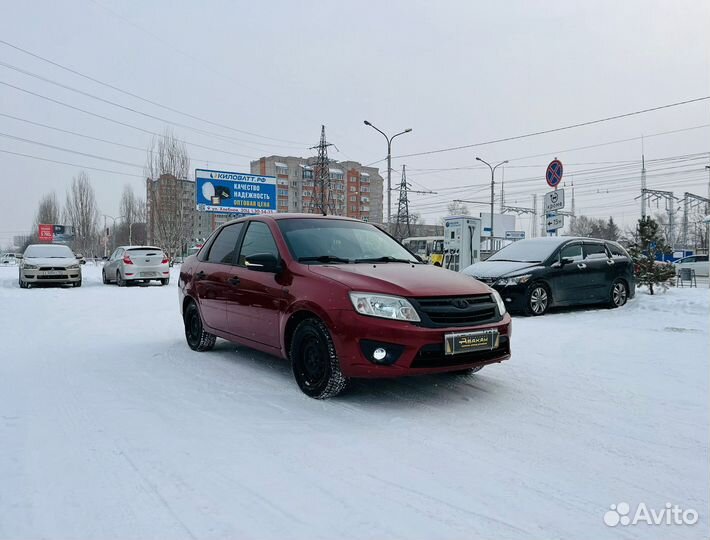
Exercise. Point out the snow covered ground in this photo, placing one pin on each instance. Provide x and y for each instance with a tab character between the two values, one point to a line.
110	427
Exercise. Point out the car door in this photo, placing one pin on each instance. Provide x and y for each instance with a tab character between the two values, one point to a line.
701	265
212	277
600	271
108	265
256	301
114	263
567	278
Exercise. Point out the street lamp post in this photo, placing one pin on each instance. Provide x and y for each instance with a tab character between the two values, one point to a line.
113	227
389	168
493	171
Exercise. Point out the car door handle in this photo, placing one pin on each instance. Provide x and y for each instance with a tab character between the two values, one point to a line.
581	266
233	281
200	275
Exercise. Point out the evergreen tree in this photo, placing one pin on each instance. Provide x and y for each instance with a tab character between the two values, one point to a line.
649	242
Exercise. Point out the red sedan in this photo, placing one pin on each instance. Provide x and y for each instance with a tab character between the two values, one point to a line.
339	298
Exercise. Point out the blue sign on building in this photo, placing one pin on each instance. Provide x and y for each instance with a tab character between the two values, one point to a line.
234	192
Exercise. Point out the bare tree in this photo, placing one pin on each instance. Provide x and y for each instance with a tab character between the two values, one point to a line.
167	155
132	209
170	212
47	211
82	213
456	208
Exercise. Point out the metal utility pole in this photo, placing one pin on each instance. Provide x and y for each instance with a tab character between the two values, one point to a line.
402	228
690	202
533	231
707	206
322	192
389	167
655	195
493	172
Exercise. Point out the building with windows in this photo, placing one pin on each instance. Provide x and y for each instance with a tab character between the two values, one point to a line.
356	189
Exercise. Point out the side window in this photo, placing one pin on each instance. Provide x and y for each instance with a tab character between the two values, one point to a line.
224	246
701	258
258	239
572	251
594	251
113	256
119	253
616	250
690	260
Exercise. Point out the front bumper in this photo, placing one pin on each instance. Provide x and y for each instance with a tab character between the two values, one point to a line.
422	349
55	277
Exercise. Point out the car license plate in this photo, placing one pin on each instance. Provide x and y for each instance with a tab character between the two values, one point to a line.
50	274
465	342
147	274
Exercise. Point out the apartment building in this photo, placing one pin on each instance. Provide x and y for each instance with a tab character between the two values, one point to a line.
356	189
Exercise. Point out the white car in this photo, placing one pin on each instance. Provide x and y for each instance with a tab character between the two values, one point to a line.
49	263
136	263
699	263
8	258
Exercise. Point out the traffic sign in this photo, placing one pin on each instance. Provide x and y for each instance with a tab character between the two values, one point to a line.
514	235
553	175
554	200
554	222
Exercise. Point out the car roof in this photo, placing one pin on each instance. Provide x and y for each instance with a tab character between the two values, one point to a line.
287	215
138	247
558	240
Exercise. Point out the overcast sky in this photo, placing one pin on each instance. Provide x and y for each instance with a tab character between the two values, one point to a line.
458	73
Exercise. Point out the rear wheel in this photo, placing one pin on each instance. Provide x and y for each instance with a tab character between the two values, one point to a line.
314	361
197	338
119	280
619	294
165	281
538	299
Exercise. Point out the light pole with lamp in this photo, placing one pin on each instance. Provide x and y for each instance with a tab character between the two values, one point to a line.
493	171
389	168
113	227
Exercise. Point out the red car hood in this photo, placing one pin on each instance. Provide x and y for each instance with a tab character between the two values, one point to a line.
418	280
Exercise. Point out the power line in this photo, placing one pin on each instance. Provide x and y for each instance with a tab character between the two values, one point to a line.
31	156
89	137
136	96
135	111
118	122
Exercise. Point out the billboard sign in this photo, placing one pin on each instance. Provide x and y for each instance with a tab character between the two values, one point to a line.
234	192
55	233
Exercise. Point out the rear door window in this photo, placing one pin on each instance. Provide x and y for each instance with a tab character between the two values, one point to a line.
224	247
594	251
616	250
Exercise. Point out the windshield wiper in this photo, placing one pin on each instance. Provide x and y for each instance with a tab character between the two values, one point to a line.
324	259
385	259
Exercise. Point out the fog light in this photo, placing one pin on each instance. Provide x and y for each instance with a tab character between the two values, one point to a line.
379	354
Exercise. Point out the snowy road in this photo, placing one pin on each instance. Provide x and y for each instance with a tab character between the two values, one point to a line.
110	427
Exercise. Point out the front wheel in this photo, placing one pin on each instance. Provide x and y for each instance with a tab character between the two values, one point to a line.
104	278
314	361
77	283
619	294
197	338
538	300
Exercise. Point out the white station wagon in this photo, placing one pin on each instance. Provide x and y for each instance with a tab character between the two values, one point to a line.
130	264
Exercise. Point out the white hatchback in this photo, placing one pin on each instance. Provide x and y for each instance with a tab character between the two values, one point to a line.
699	263
135	264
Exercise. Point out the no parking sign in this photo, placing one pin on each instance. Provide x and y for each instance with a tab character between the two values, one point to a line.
553	175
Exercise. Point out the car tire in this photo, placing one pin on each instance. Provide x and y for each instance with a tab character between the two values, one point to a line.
314	361
77	283
104	278
165	281
23	284
619	293
537	300
197	338
119	280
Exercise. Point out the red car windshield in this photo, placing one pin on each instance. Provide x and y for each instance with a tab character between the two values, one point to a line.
340	241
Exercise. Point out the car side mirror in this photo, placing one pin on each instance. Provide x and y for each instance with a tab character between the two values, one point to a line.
563	261
263	262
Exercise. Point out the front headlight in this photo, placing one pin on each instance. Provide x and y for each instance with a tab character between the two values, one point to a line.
499	302
29	267
73	267
515	280
385	306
